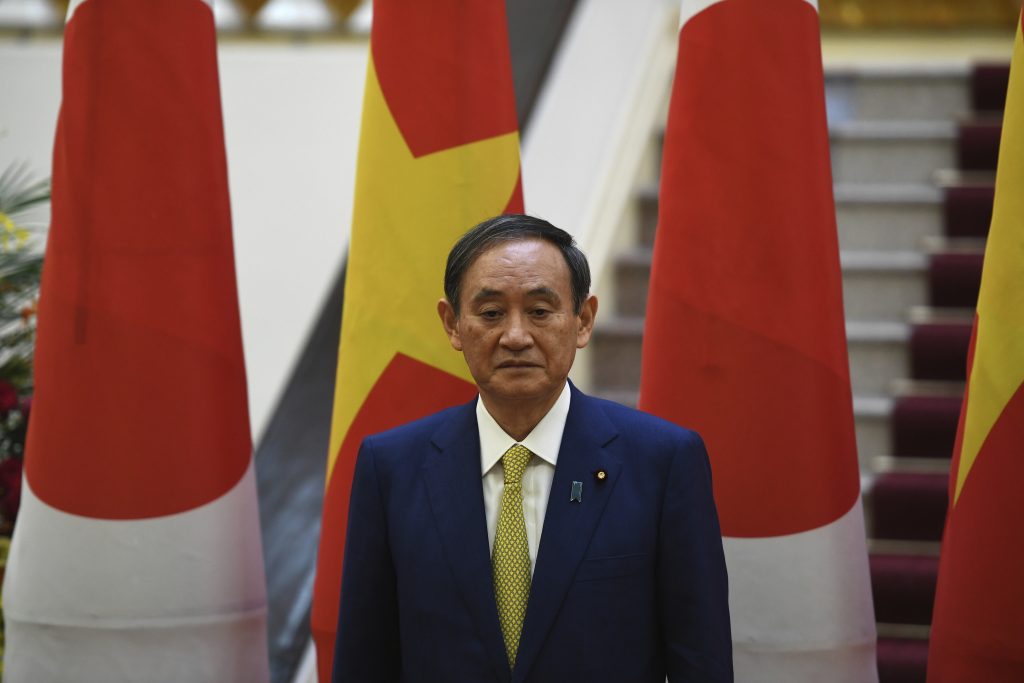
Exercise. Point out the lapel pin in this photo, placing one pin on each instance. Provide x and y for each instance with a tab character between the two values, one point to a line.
577	492
601	476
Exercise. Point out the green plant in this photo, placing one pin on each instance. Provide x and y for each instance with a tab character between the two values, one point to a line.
20	267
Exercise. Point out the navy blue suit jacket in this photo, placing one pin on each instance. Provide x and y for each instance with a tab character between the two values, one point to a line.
629	585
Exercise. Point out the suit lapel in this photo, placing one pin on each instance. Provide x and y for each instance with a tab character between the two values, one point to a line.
454	482
568	525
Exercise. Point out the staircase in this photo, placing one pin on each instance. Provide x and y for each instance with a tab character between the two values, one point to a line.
913	153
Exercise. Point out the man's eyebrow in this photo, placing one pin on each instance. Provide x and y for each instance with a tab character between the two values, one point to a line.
546	292
486	293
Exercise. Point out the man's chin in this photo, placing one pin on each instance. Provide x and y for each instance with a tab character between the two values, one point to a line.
521	391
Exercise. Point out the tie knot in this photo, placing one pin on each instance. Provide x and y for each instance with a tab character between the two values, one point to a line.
514	461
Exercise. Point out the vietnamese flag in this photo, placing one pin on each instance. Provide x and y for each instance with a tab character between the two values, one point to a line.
439	152
137	555
745	337
978	624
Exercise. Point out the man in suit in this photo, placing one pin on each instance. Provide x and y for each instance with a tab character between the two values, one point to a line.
535	534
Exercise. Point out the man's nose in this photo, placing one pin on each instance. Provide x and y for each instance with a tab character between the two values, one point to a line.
516	335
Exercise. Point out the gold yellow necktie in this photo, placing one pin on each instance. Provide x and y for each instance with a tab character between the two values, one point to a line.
510	562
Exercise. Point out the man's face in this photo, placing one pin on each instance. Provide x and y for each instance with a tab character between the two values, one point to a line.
516	327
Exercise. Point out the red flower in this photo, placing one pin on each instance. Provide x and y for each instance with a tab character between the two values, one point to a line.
8	396
10	488
25	406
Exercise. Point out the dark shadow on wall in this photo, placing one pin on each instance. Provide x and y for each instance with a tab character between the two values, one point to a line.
291	460
535	29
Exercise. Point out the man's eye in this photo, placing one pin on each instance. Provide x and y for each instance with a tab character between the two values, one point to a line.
541	313
490	314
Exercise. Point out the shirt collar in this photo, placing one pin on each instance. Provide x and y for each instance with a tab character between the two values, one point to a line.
544	441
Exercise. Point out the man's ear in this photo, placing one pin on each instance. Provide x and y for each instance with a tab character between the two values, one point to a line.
588	311
449	320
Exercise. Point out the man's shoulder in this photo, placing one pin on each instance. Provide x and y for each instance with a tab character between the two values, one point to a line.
653	449
420	429
639	427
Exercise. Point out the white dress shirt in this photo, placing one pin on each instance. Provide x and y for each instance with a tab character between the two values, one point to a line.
543	442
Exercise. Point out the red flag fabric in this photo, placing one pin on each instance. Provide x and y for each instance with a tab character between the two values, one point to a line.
137	553
745	338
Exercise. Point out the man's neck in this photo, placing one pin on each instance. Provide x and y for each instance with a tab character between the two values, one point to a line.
518	417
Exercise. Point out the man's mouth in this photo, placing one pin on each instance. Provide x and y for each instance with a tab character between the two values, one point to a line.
517	364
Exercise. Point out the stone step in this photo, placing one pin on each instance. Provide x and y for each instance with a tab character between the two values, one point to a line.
615	353
907	631
906	388
647	213
871	416
926	315
886	464
883	285
632	281
893	216
891	151
908	92
878	354
877	285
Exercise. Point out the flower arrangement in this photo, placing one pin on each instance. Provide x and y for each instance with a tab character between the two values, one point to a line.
21	197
